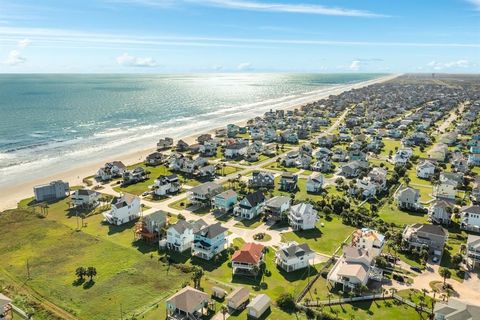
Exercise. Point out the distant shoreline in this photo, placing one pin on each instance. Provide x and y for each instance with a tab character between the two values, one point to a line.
9	196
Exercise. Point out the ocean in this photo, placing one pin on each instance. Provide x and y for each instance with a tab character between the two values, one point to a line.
53	122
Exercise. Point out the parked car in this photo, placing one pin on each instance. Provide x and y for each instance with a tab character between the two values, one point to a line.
416	269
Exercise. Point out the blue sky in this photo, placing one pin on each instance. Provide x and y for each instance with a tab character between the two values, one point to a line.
239	36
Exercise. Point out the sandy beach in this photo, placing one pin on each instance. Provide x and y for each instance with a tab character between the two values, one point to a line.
9	196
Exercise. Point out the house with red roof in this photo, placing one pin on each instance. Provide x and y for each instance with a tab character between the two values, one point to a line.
248	259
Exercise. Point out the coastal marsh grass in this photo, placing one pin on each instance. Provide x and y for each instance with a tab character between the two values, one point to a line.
324	239
54	251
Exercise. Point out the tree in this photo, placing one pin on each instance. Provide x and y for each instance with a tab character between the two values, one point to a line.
392	291
80	272
457	259
197	277
286	302
91	272
329	296
446	274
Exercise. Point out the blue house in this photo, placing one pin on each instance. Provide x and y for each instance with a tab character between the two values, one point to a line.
209	241
474	156
225	201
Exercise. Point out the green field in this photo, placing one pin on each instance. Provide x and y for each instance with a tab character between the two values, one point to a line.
375	310
390	213
125	277
324	239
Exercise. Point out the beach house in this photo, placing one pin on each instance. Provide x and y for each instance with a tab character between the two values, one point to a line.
276	208
288	182
188	303
164	185
225	201
155	159
425	169
85	198
124	208
209	241
52	191
180	235
302	216
353	269
248	259
251	205
470	218
261	179
408	198
292	256
314	183
164	143
370	240
203	194
111	170
440	211
423	235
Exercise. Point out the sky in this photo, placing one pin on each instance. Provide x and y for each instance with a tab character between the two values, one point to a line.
169	36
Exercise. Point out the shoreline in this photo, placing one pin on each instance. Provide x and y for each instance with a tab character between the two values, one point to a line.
10	196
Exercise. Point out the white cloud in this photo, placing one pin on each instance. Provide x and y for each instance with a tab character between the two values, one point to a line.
24	43
60	37
462	63
127	60
245	66
288	8
15	58
355	65
476	4
217	68
260	6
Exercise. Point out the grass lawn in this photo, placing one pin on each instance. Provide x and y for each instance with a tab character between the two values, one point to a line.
375	310
455	240
141	187
425	192
54	251
387	165
274	314
250	224
228	170
322	239
302	193
390	145
278	167
390	213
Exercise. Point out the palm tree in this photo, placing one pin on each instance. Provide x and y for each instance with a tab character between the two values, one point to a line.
91	272
329	296
393	291
446	274
197	277
80	272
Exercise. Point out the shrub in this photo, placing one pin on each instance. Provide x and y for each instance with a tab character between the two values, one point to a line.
286	302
